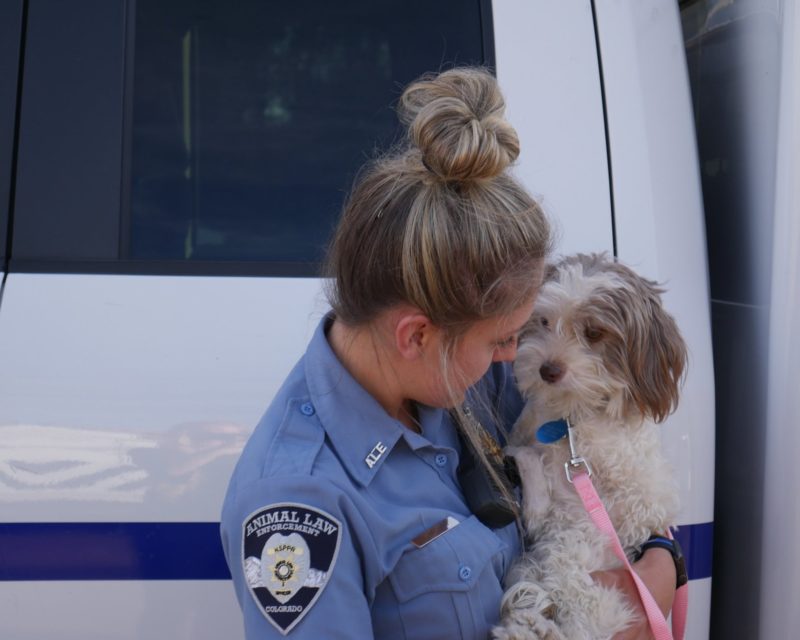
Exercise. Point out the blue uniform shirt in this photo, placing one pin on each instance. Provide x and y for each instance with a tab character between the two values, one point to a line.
326	499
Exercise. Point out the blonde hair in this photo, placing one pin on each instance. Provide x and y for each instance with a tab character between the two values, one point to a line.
439	223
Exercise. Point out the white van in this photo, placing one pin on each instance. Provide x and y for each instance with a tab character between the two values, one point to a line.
169	173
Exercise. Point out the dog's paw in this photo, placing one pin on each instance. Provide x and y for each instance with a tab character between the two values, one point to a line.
527	613
527	625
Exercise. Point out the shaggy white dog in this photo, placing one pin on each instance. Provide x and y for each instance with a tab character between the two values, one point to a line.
601	351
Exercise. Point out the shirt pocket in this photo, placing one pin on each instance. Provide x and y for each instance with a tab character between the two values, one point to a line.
455	579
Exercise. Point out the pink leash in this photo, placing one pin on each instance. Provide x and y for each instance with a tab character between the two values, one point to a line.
597	512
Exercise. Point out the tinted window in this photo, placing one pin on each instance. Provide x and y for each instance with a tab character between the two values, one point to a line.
69	163
250	119
10	31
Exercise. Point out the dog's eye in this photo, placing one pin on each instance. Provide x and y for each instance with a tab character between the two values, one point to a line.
544	321
592	334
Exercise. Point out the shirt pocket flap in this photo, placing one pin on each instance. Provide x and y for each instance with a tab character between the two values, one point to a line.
452	562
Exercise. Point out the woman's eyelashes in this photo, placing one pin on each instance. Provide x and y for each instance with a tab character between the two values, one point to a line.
507	343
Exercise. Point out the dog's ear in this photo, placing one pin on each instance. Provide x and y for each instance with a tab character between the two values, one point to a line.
644	346
656	354
550	272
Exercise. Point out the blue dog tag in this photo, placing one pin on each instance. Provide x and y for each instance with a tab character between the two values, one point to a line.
552	431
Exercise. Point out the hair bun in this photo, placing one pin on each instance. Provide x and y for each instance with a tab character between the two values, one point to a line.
456	120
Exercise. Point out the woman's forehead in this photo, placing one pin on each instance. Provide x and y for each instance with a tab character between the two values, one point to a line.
505	324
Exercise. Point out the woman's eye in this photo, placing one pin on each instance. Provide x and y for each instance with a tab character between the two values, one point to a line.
507	343
592	334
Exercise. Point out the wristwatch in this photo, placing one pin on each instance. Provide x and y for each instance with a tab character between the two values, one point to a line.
675	550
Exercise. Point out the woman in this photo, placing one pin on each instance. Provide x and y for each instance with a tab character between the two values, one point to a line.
346	516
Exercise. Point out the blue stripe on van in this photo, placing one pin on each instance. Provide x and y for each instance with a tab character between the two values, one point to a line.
697	542
112	551
174	551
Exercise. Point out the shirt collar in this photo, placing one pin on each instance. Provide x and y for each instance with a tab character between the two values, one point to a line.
360	430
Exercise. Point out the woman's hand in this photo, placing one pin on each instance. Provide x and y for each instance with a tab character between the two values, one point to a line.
657	570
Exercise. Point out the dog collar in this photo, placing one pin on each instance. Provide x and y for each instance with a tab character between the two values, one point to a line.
552	431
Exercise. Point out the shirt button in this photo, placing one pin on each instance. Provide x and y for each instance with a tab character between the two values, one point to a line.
440	459
307	409
464	572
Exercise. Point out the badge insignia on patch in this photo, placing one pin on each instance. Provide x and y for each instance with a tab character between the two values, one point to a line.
289	551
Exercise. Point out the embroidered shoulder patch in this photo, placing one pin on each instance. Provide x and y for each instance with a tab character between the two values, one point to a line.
288	552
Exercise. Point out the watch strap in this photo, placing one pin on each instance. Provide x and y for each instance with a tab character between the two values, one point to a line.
674	548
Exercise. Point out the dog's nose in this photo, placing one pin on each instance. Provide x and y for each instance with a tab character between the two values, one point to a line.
551	372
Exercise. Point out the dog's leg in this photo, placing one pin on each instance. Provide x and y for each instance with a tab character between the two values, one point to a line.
523	433
535	485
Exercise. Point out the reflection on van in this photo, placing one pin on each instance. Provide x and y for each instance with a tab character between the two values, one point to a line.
62	464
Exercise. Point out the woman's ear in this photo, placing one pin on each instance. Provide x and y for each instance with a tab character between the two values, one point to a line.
413	332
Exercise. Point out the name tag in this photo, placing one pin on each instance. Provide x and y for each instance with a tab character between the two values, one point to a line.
377	451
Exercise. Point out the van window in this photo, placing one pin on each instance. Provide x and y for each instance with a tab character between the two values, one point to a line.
10	33
250	119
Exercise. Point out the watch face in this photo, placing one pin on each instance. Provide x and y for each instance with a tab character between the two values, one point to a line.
680	563
680	568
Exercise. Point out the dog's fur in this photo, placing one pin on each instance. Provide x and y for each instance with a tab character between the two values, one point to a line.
601	350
